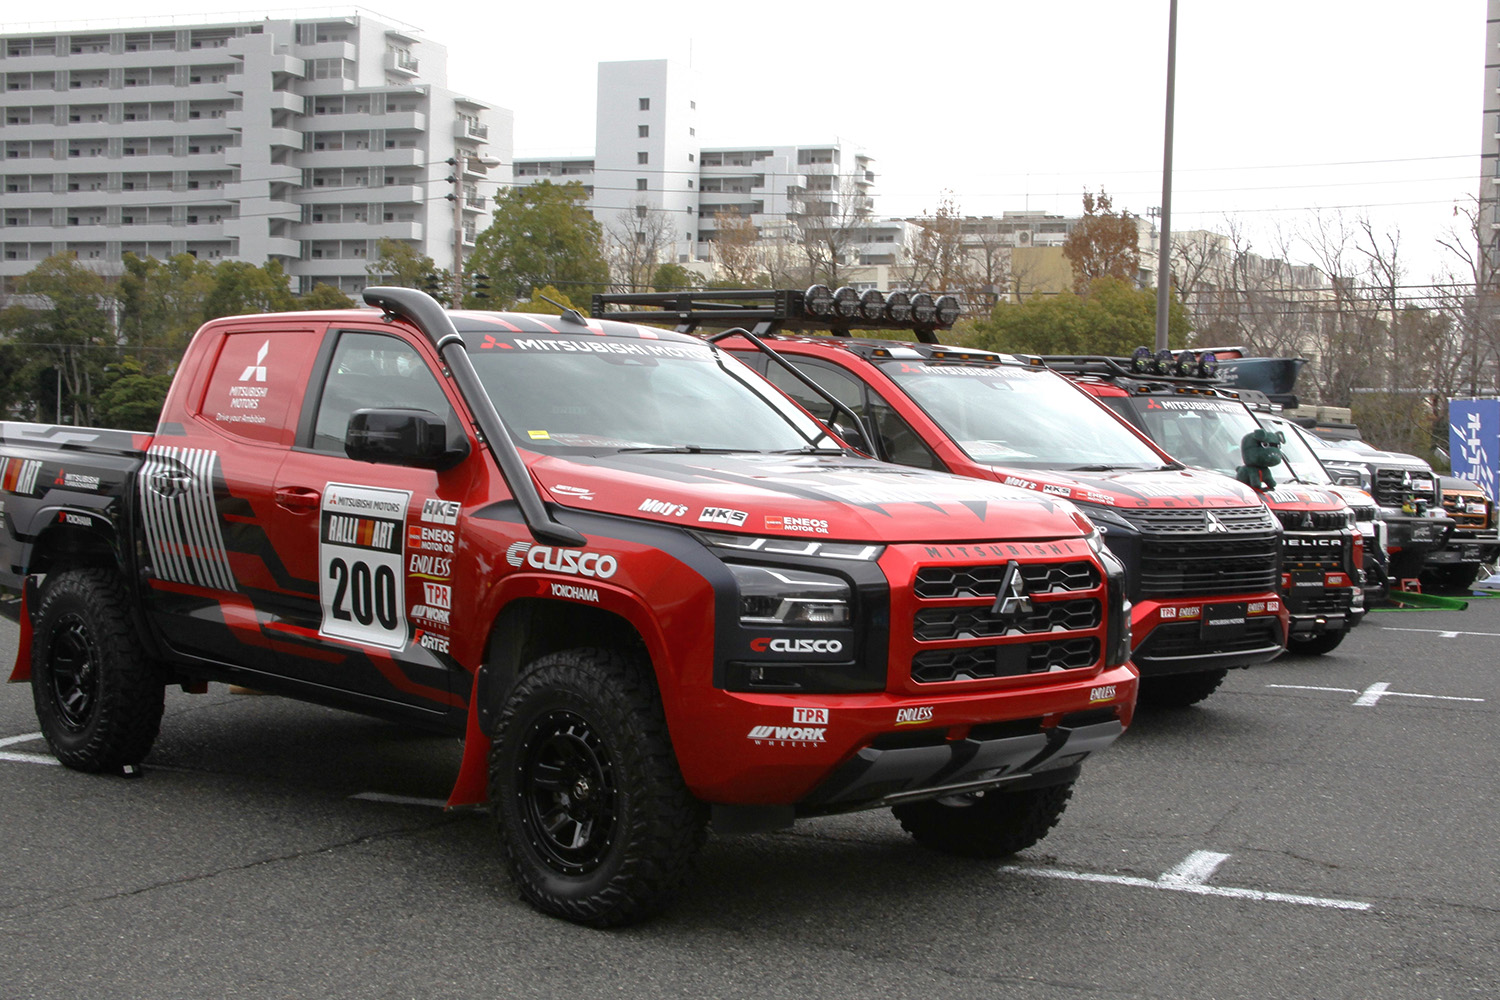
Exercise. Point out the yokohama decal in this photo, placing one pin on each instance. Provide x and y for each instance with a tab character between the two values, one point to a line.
183	535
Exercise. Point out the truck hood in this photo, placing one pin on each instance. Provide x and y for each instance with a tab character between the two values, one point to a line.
803	496
1296	496
1134	488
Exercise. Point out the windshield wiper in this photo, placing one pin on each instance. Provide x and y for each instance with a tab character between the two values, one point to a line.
1092	468
810	449
688	449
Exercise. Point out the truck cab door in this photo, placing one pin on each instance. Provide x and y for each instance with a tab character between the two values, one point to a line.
376	543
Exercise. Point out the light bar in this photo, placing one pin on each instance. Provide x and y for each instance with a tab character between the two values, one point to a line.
948	310
898	307
819	300
923	309
872	305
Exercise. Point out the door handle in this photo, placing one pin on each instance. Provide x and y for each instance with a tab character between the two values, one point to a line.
298	499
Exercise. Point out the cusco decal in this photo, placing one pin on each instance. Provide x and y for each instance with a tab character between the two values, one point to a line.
361	556
570	561
183	536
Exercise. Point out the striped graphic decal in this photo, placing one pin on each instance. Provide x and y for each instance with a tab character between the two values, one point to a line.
183	535
18	475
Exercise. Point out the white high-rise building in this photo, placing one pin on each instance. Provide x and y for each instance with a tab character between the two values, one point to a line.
299	140
647	156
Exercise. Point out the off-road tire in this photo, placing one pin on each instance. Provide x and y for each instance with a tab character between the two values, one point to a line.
98	698
595	820
1458	577
993	824
1180	690
1315	645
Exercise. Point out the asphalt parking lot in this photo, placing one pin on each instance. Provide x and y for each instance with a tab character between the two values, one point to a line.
1322	827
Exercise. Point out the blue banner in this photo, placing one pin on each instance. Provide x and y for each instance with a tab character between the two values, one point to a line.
1474	441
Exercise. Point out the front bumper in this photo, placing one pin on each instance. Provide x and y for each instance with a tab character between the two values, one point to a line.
1412	541
1466	549
1172	637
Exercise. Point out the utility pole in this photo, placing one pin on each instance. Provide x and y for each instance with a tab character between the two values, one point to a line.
460	164
1164	248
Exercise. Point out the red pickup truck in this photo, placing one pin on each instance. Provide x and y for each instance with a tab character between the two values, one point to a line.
645	589
1200	550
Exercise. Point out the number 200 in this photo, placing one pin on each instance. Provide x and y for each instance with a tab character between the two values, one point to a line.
369	598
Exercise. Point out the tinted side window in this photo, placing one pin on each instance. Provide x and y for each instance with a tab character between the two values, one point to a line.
255	390
373	370
899	443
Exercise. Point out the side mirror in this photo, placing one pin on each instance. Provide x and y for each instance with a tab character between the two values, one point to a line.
854	437
416	438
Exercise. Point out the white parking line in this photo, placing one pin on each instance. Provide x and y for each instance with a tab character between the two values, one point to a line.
1189	876
25	758
1441	633
1372	694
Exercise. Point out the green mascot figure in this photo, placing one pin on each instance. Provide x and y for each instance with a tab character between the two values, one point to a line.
1260	449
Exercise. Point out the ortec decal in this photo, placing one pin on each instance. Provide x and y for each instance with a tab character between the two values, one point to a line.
574	562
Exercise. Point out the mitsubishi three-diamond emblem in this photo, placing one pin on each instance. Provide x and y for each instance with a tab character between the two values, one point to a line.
1214	524
1011	601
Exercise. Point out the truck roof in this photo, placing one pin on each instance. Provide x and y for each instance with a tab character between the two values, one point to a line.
487	321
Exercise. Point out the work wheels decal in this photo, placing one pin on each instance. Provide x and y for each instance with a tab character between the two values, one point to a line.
361	552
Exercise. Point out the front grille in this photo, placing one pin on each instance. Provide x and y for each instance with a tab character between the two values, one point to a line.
940	665
1391	490
1309	557
1362	513
977	623
1185	639
1209	565
984	581
1173	520
1454	504
1313	520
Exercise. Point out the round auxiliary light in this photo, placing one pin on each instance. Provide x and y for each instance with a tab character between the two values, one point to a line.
923	309
872	305
819	300
948	310
1140	360
898	307
1208	364
1187	364
846	302
1163	362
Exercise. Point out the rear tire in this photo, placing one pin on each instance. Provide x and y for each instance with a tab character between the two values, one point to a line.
1180	690
98	698
596	822
1315	645
991	824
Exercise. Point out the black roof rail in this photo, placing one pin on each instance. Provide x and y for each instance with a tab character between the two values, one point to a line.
1115	368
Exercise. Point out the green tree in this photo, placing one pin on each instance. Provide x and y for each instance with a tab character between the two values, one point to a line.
1105	243
133	399
670	277
538	302
1114	320
65	335
541	235
241	288
161	304
325	296
398	263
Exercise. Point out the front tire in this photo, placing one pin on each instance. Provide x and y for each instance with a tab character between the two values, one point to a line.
991	824
1315	645
99	699
596	822
1180	690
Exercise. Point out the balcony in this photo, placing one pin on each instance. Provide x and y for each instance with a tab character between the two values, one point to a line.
402	64
465	129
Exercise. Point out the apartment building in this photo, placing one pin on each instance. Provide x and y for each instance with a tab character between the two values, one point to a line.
299	140
648	158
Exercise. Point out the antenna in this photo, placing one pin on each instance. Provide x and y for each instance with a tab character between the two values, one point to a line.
567	313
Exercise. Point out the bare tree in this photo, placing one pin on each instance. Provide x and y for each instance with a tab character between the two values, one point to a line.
991	258
937	258
1103	243
832	217
737	248
636	241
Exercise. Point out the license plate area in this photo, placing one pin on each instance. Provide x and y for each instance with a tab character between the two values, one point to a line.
1223	621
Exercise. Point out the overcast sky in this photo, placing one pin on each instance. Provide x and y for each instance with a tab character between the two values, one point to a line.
1365	107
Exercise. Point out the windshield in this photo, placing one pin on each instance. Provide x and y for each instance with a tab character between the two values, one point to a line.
1006	415
560	393
1198	431
1350	444
1299	458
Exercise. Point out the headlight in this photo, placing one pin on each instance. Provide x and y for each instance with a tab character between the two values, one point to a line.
1104	519
779	595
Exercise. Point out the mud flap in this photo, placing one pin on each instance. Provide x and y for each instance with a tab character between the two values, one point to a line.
21	672
472	785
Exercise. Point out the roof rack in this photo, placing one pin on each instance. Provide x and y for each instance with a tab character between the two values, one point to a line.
1116	368
765	311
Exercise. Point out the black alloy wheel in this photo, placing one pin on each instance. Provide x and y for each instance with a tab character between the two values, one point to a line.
566	783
